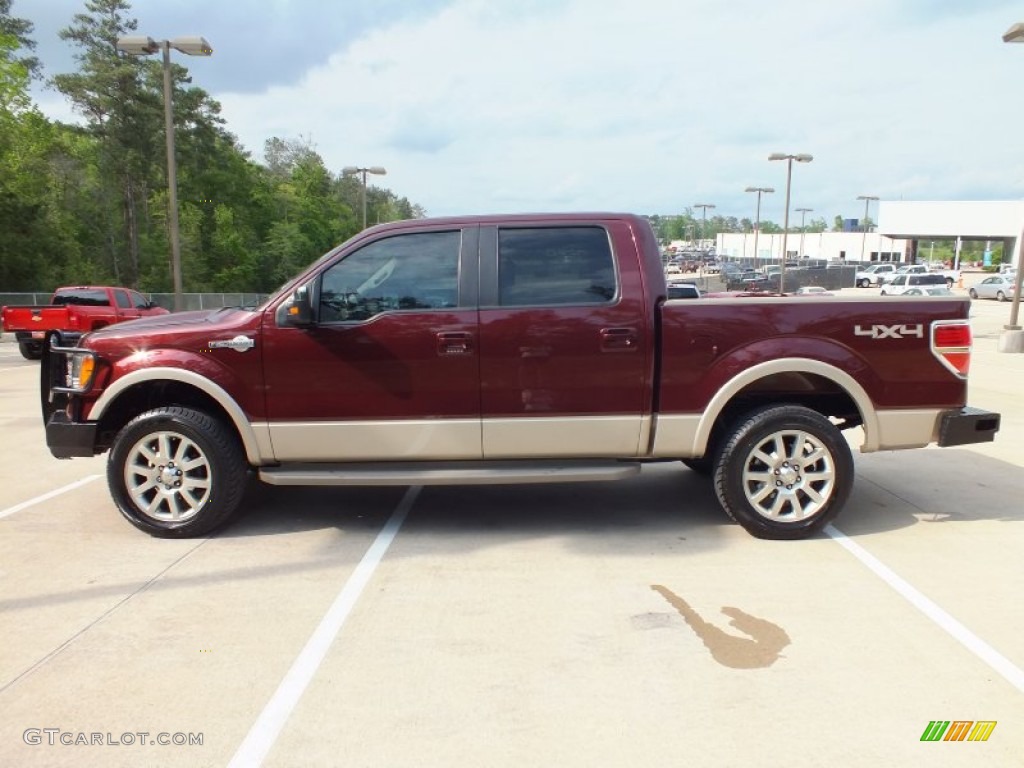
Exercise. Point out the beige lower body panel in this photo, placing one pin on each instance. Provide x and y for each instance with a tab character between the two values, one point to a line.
454	439
565	437
904	429
406	440
679	435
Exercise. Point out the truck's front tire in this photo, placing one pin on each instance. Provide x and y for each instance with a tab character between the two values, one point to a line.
784	473
176	472
30	350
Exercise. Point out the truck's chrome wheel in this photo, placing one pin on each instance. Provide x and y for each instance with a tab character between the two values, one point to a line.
789	476
784	472
167	476
177	472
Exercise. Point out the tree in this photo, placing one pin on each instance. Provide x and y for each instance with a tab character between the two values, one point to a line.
19	30
122	114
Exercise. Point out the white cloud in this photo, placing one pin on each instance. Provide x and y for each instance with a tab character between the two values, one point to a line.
652	105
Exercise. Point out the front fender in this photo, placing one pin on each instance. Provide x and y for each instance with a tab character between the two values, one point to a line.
255	447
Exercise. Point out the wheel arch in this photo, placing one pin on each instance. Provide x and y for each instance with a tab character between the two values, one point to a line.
825	388
143	390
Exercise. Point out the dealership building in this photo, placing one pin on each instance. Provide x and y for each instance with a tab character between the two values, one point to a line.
906	232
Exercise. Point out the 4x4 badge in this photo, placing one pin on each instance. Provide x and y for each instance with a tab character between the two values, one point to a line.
239	344
890	331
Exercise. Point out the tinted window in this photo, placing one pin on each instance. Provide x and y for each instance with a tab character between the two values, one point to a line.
555	265
417	271
138	300
82	297
121	297
927	280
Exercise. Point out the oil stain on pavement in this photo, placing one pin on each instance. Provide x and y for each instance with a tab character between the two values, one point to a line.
761	648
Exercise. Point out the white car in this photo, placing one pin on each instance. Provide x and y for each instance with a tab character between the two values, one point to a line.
1000	287
872	275
680	290
900	284
929	290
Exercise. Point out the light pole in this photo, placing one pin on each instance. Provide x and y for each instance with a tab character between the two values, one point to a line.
864	238
351	170
800	158
803	212
757	215
140	45
1013	341
703	225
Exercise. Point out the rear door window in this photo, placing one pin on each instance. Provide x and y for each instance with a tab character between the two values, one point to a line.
548	266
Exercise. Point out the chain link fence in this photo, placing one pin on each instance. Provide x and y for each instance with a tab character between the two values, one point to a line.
166	300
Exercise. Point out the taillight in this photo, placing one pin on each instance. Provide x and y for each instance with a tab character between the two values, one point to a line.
951	344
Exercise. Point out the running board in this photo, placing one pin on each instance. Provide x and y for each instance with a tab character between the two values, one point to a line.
450	472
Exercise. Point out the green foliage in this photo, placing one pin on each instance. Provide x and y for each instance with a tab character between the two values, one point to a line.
89	204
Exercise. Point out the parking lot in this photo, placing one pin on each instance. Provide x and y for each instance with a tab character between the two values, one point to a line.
622	624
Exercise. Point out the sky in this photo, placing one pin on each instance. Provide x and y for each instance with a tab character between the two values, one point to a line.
643	106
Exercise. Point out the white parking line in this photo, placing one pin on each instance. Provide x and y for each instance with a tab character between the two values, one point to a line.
264	732
1009	671
47	496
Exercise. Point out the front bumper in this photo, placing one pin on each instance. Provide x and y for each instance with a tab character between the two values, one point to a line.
66	438
968	425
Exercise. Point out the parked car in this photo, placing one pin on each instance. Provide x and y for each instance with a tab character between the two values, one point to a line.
951	275
72	311
928	290
872	275
1000	287
750	280
812	290
678	290
507	349
901	283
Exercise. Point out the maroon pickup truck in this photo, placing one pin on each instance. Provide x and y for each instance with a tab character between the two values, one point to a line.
508	349
71	312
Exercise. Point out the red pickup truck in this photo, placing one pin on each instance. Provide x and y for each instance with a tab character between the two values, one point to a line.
508	349
73	310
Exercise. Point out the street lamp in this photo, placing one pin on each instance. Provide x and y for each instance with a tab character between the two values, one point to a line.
757	216
193	45
867	201
800	158
703	225
803	212
351	170
1015	34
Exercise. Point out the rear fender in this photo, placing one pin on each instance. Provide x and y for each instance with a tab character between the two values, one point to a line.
731	388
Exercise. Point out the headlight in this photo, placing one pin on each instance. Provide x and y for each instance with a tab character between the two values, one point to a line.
82	369
79	368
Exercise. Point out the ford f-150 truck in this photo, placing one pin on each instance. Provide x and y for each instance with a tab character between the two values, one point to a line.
508	349
73	310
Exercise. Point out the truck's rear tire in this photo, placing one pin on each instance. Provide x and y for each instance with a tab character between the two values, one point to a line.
784	473
30	350
176	472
